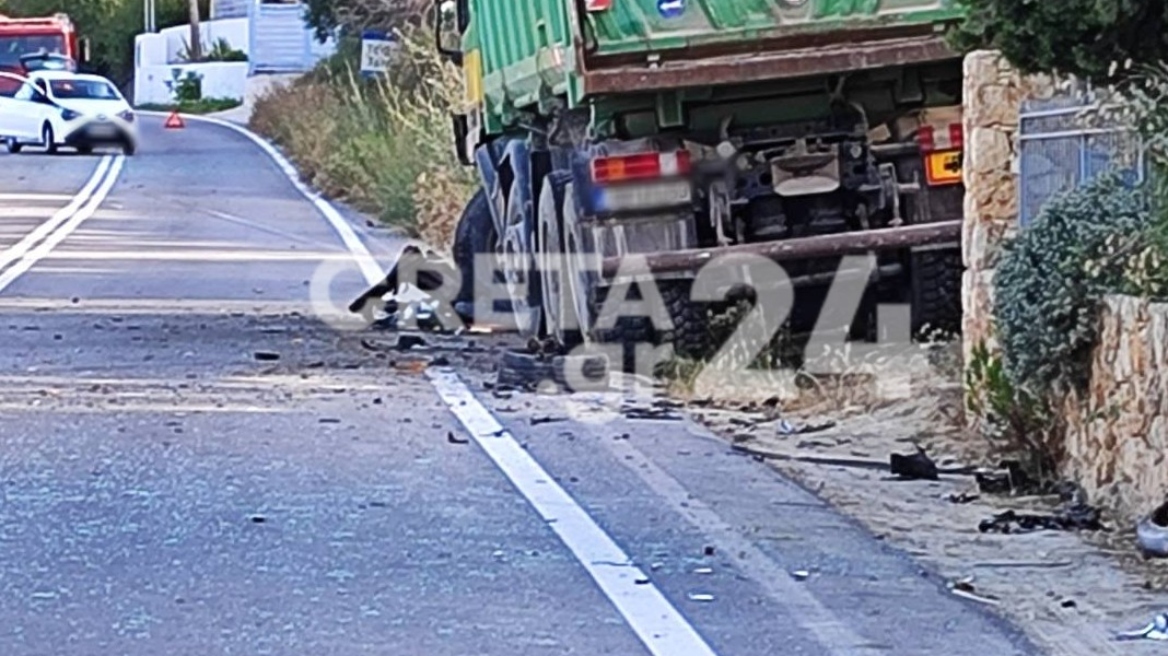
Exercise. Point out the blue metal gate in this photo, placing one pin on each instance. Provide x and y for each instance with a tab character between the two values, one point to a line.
1058	152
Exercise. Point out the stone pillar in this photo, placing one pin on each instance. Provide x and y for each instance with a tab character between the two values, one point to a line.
993	95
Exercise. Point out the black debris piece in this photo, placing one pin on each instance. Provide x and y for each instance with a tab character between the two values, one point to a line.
1076	517
963	498
650	413
535	421
267	356
1152	533
407	342
915	467
450	437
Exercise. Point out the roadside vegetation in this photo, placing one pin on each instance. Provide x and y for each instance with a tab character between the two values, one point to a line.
383	144
1107	237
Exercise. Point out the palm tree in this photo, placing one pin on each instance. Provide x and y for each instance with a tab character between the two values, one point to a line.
196	47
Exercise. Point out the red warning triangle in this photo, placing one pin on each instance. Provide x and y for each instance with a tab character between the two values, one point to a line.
174	121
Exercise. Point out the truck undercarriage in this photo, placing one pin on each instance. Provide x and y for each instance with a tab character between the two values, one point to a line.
827	167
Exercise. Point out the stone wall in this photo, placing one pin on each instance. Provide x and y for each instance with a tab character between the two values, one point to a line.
1117	437
993	95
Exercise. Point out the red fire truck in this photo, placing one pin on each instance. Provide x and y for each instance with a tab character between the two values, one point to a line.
54	36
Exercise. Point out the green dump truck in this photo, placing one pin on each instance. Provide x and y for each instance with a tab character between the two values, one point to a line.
664	134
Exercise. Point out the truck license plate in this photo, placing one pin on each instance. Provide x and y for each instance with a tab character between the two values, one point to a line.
943	168
647	196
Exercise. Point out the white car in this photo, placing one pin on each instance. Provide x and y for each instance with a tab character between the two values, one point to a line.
50	109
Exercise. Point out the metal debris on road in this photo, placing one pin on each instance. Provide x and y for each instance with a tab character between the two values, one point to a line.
700	596
266	356
1157	629
535	421
963	497
918	466
704	570
800	575
450	437
1077	517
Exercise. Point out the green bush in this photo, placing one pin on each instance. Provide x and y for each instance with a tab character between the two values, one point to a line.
384	144
1048	286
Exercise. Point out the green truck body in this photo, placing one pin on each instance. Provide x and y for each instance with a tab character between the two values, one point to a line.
679	130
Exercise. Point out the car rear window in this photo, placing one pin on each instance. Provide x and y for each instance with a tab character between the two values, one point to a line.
88	89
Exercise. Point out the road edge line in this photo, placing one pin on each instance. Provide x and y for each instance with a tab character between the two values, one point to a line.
659	625
14	253
370	269
42	250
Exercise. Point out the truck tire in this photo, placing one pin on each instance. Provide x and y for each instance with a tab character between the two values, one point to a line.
690	334
474	235
936	291
520	271
550	248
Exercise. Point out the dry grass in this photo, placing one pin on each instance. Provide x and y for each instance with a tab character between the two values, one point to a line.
383	145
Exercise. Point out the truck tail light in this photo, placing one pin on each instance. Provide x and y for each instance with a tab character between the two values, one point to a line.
952	138
642	166
597	5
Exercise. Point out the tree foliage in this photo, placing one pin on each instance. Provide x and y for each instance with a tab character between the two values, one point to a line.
1078	37
353	16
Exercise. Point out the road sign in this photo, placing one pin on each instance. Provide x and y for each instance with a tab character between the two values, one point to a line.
377	50
174	121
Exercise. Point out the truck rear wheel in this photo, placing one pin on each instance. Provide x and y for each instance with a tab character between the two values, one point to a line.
690	334
936	291
474	236
550	251
523	280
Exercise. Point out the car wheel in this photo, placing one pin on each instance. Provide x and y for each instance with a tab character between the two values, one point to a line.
48	139
14	146
128	149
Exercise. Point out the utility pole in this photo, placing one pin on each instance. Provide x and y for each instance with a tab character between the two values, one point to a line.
196	47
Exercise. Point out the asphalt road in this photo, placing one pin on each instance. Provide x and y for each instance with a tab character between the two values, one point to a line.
165	491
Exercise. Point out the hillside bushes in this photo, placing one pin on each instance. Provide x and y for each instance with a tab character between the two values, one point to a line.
384	145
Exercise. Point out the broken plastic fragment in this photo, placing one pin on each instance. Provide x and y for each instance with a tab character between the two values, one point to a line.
1157	629
699	596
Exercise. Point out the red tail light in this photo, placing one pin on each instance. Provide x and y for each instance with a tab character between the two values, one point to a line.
597	5
925	139
642	166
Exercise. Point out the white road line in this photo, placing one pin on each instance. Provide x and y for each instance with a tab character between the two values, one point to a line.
22	247
113	170
369	268
659	625
662	629
35	198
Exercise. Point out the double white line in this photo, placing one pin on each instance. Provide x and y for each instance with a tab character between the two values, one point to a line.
18	259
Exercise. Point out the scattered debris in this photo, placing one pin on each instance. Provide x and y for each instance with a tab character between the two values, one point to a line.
704	570
709	550
965	589
641	581
800	575
787	428
963	497
1152	533
266	356
698	596
453	439
407	341
1157	629
258	519
1076	517
547	419
656	413
918	466
329	420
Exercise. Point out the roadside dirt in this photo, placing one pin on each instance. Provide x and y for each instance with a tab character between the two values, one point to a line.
1070	591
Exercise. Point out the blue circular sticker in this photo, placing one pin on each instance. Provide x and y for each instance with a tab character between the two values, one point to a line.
671	8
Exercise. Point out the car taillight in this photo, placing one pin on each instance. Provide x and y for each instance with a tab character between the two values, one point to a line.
642	166
951	139
597	5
